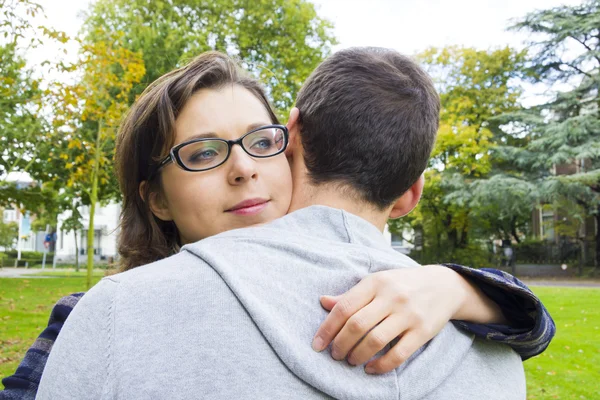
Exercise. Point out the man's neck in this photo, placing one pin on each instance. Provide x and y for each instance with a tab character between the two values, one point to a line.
330	195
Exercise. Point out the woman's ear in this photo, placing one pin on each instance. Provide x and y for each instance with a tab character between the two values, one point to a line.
409	200
156	203
293	126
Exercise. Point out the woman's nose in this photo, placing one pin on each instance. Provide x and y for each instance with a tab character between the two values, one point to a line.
242	167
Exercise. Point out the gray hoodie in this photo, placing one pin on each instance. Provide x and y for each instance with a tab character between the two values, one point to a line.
233	317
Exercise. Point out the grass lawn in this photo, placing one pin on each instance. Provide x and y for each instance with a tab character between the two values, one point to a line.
25	306
569	369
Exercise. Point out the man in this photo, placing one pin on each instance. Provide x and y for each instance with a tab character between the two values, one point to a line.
359	144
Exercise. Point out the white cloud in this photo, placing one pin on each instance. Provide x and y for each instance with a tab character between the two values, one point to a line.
410	26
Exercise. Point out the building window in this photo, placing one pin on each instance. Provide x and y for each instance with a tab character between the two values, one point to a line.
10	216
548	225
397	240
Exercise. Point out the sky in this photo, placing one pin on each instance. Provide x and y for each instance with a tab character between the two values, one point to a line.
408	26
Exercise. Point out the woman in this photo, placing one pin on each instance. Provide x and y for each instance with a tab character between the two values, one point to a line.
167	204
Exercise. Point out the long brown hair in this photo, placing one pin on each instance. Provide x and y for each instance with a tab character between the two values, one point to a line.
147	135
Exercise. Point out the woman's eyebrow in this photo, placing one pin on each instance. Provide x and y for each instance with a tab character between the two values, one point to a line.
207	135
213	135
257	125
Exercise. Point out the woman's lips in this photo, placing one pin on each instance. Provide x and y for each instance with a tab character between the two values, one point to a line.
249	207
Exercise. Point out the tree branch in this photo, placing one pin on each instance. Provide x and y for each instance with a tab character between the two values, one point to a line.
584	44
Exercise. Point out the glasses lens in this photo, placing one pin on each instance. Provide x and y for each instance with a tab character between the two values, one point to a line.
265	142
203	155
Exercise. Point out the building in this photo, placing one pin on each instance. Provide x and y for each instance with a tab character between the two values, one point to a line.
106	229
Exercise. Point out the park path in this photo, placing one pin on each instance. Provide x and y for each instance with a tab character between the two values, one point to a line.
550	283
11	272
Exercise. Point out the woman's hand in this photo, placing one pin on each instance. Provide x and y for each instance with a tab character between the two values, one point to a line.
413	303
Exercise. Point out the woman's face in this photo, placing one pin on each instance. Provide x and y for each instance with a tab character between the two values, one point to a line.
206	203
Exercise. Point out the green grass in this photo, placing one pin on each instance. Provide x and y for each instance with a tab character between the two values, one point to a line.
25	306
569	369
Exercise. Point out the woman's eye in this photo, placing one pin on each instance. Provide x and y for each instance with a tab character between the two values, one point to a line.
262	144
204	155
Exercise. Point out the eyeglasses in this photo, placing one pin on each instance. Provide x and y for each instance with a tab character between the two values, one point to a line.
204	154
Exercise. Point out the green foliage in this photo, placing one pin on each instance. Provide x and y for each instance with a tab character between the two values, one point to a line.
280	41
501	205
475	86
8	234
20	93
22	101
472	255
532	251
566	129
28	255
461	208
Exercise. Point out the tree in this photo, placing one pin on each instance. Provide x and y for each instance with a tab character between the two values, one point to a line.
566	129
8	234
475	87
280	41
86	124
23	124
19	99
128	44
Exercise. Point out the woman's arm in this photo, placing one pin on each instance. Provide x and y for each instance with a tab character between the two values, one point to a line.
416	303
26	379
530	327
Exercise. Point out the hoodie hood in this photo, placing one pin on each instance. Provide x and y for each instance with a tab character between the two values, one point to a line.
282	270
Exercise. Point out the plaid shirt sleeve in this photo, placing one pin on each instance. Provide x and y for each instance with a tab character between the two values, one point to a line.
25	381
532	327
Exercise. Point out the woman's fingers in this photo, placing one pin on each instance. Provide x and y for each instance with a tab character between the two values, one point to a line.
328	302
388	330
410	342
347	305
357	326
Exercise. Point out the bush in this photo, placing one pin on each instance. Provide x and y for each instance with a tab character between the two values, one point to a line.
474	255
540	251
26	255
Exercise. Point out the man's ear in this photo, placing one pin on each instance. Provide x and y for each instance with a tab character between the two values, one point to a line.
293	126
155	202
409	200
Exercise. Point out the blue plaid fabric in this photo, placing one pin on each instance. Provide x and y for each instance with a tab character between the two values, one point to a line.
531	331
532	327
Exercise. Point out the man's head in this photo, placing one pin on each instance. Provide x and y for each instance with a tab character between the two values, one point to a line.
367	123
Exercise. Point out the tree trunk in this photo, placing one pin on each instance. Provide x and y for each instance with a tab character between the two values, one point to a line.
514	234
76	251
597	261
93	200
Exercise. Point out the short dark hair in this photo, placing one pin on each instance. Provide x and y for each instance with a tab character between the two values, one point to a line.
369	118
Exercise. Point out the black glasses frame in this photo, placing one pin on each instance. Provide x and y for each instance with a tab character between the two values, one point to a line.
174	153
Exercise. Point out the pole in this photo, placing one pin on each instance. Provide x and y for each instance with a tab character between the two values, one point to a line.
19	238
